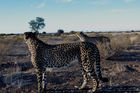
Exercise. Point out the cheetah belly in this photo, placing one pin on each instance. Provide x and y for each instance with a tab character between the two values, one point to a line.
58	57
57	61
50	68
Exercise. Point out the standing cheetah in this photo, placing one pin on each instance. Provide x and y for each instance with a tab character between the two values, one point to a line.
55	56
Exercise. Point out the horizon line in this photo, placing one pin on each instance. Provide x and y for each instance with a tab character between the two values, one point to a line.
97	31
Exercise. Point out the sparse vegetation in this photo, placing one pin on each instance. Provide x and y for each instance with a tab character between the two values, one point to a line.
5	46
19	38
118	44
72	32
105	50
17	73
59	32
43	32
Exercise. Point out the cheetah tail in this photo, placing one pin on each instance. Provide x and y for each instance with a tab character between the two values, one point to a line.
98	69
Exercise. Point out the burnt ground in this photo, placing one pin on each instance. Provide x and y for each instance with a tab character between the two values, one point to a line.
17	74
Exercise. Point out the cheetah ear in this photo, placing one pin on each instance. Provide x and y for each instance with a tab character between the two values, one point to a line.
78	33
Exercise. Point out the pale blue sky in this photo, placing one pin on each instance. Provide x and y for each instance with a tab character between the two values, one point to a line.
79	15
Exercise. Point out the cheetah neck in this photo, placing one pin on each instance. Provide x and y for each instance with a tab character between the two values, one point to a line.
34	44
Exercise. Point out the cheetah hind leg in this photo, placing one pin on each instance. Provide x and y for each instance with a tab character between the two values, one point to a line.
94	82
84	82
95	85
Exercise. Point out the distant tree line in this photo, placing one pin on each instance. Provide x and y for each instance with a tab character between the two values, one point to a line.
38	24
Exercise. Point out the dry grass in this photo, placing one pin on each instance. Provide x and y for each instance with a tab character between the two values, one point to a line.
120	43
19	38
117	44
105	50
70	37
5	45
21	77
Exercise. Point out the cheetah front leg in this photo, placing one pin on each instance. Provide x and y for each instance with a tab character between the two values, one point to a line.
84	81
93	76
44	86
40	82
95	84
83	73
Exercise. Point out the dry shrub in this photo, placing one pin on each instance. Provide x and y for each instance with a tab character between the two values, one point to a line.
120	43
104	49
117	44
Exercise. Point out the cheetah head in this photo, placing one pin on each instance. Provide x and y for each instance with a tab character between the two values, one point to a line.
28	35
81	36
